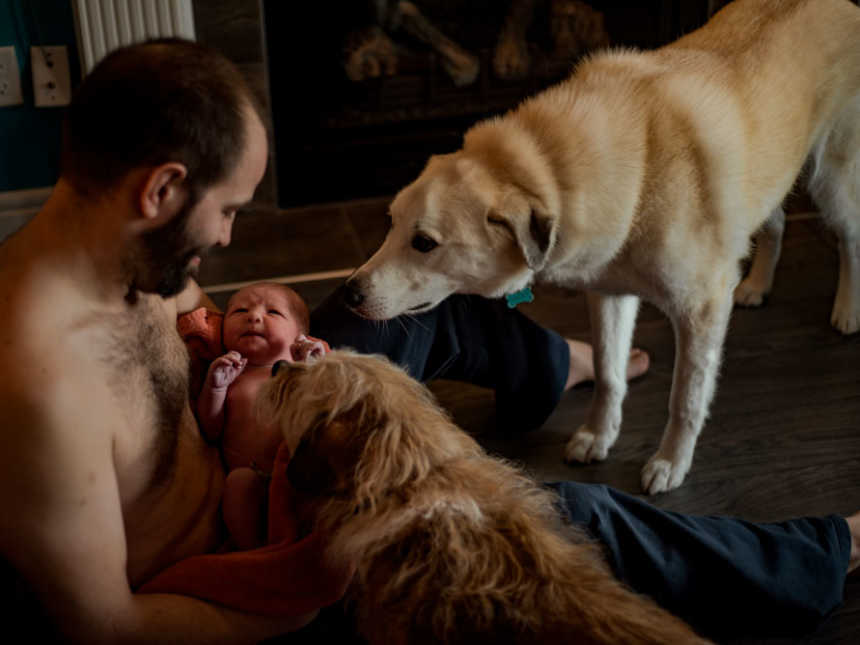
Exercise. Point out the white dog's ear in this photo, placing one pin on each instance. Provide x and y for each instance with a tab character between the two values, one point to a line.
533	232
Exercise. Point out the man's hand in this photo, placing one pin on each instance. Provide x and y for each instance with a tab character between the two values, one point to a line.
225	369
304	348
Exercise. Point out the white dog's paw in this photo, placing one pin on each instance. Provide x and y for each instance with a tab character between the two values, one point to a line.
845	317
661	475
585	446
750	293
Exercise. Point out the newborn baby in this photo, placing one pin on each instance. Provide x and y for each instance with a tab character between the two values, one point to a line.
264	323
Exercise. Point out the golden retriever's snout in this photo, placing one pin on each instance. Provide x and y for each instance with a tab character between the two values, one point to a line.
278	365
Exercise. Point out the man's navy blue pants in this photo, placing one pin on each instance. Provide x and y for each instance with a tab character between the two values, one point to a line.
722	575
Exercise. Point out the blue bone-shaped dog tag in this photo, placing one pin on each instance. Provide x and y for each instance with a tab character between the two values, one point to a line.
523	295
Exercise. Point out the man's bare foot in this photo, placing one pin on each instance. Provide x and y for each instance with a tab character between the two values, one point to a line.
854	527
582	363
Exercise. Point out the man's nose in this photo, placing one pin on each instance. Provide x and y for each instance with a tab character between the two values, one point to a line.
226	232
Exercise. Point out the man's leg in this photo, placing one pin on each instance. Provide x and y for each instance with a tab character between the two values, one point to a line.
582	363
854	527
465	338
722	575
475	340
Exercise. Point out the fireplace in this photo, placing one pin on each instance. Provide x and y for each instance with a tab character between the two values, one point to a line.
364	91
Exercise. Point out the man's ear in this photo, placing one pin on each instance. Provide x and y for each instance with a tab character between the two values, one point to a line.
163	191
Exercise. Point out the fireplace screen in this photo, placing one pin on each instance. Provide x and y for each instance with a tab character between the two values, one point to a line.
364	91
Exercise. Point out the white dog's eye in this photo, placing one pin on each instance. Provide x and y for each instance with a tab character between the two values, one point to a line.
423	244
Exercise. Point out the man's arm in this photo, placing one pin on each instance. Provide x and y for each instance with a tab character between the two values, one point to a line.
62	529
286	577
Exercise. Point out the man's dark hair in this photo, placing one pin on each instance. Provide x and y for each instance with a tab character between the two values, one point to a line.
160	101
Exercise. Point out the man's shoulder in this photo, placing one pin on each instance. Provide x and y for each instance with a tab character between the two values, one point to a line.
46	352
35	316
38	375
46	399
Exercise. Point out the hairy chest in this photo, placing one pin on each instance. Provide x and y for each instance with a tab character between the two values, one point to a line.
146	367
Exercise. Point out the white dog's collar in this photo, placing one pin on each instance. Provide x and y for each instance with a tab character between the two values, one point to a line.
515	298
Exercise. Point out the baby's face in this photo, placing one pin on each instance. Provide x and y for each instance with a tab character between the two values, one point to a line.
260	325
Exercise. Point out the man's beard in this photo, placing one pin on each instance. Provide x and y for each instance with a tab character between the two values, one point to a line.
161	265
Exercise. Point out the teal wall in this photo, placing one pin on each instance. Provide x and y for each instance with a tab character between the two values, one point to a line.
30	136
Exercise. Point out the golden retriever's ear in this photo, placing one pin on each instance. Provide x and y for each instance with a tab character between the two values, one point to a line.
533	232
324	463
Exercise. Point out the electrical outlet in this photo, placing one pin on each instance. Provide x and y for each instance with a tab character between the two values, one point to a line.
52	84
10	78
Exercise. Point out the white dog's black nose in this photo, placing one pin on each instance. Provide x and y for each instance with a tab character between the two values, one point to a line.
352	295
278	365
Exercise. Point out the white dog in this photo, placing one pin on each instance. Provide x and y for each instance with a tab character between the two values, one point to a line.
643	176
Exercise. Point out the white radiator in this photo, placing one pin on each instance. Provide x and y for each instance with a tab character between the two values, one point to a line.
104	25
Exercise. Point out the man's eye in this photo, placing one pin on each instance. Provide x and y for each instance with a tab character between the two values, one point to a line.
423	244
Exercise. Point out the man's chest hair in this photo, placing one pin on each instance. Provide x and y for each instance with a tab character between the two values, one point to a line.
146	365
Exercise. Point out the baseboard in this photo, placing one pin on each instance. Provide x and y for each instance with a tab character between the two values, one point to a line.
23	202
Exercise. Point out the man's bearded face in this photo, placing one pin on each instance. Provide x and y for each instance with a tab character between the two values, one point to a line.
164	262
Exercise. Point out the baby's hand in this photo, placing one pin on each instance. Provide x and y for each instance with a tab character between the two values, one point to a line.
304	348
225	369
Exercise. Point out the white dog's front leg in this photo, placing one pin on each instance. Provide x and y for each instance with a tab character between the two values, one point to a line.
846	305
699	339
768	246
612	322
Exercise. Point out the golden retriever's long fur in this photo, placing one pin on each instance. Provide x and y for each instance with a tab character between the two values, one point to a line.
451	545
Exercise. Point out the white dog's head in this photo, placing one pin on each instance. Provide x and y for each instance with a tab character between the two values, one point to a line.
464	226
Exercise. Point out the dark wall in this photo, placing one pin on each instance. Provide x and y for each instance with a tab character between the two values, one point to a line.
235	28
30	135
338	139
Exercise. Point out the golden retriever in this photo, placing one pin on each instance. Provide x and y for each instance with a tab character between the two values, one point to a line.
644	175
451	545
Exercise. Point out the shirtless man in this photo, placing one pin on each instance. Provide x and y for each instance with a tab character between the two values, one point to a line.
105	477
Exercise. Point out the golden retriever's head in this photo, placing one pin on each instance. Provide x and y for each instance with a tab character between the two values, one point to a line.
358	427
479	221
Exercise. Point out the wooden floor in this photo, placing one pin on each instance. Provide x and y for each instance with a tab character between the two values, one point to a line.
783	437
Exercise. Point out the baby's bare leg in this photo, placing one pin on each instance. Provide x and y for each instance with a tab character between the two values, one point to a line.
243	506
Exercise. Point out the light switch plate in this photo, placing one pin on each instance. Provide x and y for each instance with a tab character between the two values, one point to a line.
10	78
52	84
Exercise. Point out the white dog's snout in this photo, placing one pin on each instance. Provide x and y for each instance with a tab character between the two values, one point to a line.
353	291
